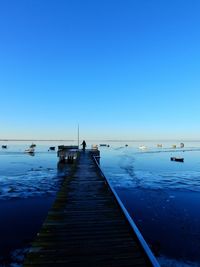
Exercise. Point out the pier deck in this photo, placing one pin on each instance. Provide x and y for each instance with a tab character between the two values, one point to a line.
85	226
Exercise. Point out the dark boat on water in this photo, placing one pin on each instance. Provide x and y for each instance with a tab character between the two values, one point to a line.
32	145
52	148
4	146
104	145
30	150
177	159
181	145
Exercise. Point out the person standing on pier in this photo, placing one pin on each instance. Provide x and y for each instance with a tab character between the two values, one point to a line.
84	145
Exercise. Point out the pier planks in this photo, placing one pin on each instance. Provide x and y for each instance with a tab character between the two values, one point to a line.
85	226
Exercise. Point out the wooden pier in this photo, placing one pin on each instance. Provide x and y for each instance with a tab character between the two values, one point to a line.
87	227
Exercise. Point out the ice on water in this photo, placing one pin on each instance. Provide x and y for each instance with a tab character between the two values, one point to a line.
23	176
162	197
127	168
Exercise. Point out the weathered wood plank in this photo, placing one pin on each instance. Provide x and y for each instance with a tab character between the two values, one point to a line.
85	226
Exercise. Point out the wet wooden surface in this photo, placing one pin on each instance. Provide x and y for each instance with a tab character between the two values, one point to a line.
85	226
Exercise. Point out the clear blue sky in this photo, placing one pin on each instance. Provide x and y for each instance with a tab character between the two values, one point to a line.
120	68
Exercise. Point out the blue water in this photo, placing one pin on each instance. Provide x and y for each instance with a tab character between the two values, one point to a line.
163	197
152	169
28	186
23	175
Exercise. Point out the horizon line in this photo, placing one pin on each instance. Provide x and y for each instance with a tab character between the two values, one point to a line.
108	140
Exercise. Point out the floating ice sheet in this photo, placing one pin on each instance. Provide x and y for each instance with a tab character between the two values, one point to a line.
32	183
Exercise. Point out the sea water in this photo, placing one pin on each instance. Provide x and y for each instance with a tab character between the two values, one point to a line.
162	196
28	186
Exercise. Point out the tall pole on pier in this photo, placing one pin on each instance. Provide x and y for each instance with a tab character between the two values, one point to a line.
78	136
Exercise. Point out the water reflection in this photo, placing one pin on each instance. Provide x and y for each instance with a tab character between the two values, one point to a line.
31	154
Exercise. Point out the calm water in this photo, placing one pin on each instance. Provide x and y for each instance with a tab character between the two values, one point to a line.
162	196
28	185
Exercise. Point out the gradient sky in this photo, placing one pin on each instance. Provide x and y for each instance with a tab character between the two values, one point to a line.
122	69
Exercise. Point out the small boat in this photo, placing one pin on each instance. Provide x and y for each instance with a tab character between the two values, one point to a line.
4	146
103	145
173	146
142	147
52	148
126	145
159	145
32	145
181	145
94	147
177	159
30	150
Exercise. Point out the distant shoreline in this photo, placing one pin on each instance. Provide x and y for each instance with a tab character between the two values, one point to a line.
100	140
37	140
